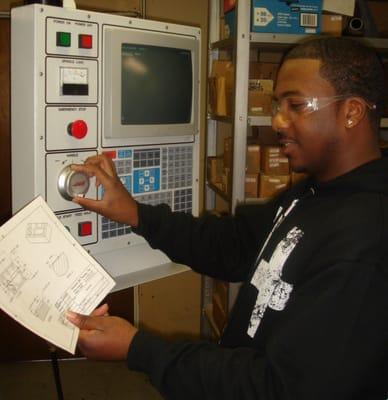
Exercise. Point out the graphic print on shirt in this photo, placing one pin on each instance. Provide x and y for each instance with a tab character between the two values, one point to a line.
273	292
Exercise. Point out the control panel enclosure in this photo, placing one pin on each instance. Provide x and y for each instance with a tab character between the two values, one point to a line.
59	118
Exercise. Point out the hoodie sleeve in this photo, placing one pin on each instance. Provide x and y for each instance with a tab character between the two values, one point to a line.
199	370
332	348
221	247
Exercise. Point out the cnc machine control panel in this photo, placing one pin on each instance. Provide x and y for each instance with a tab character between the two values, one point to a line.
58	118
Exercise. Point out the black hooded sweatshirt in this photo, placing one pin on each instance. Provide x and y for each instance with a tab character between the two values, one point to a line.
311	318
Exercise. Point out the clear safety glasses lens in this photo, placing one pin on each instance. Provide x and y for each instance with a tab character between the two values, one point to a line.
297	105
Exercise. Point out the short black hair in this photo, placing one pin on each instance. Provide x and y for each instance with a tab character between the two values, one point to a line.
351	67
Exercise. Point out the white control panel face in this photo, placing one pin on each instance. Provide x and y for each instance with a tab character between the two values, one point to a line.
58	120
81	224
71	80
71	127
55	164
71	38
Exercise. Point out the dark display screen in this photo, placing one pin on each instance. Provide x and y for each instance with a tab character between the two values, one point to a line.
156	85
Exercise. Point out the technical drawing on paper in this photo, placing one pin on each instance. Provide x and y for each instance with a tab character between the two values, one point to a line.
44	272
60	264
14	276
37	232
40	308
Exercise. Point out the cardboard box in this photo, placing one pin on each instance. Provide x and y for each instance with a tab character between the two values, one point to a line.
253	159
271	185
112	6
344	7
279	16
217	105
252	185
260	96
224	69
273	162
264	85
228	152
226	181
264	135
263	70
214	169
221	82
220	97
259	103
271	56
229	5
332	24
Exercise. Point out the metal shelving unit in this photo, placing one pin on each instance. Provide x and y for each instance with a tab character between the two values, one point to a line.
259	121
240	46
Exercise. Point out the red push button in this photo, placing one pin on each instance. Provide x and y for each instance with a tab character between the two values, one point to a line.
110	153
78	129
85	41
84	228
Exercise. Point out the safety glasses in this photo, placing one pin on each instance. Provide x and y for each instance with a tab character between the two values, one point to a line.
299	105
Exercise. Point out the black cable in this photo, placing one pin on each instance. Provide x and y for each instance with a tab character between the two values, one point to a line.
57	376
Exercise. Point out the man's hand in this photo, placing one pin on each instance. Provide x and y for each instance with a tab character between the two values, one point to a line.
103	337
116	204
102	311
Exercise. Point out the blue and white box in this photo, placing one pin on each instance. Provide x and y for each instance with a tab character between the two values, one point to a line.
284	16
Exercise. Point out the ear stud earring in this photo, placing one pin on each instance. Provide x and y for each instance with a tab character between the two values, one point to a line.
350	122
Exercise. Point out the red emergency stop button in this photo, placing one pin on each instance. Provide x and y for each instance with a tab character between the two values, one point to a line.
84	228
85	41
77	129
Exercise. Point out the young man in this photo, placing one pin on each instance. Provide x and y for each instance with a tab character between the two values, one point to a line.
311	318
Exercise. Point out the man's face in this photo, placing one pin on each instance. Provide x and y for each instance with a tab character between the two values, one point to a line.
310	138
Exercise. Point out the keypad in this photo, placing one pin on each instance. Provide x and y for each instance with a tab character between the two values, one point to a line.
154	176
113	229
177	164
183	200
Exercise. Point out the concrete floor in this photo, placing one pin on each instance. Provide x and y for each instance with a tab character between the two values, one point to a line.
81	380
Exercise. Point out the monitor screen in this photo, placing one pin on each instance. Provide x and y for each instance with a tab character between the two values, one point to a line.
156	85
150	86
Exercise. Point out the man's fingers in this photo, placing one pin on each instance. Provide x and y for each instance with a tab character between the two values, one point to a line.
83	321
75	318
88	204
100	311
93	170
104	162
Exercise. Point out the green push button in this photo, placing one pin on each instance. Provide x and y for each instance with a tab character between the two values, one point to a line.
63	39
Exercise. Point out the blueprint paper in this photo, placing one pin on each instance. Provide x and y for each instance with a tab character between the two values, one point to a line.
44	272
